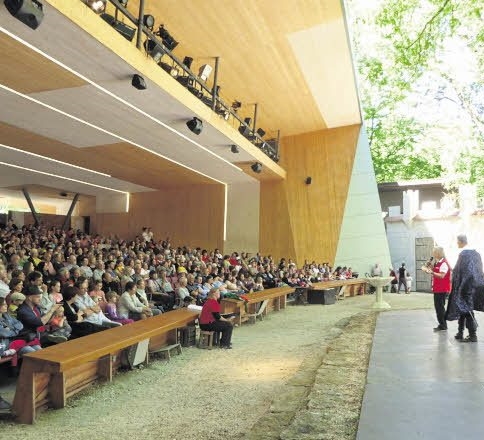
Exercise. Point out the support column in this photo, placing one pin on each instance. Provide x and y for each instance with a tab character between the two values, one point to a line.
69	213
31	206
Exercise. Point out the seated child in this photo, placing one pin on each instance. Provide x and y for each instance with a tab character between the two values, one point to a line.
59	326
16	299
111	310
97	294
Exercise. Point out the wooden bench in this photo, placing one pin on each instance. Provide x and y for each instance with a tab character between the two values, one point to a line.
51	375
352	287
267	300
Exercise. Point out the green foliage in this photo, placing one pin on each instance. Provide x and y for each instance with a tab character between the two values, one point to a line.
421	70
394	155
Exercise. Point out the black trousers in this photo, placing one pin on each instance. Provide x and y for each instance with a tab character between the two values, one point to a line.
439	304
402	281
223	327
468	321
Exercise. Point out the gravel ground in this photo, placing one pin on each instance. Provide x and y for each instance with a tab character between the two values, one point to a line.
211	394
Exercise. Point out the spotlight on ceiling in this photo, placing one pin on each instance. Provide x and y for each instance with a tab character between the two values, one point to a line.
236	105
29	12
149	21
124	3
256	167
138	82
154	50
187	61
168	41
234	148
98	6
195	125
204	72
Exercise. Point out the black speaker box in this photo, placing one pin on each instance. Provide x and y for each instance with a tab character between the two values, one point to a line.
138	82
321	296
187	336
29	12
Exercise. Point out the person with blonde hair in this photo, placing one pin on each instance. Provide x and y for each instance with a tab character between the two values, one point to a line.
440	271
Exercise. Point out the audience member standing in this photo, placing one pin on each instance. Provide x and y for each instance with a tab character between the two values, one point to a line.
402	278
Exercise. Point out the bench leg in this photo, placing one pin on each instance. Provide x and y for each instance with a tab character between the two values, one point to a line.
105	368
57	390
24	401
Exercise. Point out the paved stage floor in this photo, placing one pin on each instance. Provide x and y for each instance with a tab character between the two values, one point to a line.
421	384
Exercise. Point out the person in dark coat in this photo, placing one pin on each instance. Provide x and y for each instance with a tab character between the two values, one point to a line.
466	279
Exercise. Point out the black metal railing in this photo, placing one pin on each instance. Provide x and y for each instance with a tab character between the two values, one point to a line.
153	45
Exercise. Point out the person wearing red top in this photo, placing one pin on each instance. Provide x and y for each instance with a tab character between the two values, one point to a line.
211	320
440	285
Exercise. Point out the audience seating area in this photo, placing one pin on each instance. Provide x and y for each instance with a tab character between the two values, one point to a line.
49	376
251	286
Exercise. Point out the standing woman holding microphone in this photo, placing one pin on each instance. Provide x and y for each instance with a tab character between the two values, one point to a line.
441	285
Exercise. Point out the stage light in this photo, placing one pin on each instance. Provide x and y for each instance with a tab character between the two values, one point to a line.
29	12
236	105
256	167
126	31
124	3
138	82
187	61
204	72
247	121
154	50
168	68
98	6
261	132
234	148
195	125
168	41
149	21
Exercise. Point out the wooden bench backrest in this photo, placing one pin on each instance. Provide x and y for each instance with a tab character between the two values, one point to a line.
269	293
337	283
63	356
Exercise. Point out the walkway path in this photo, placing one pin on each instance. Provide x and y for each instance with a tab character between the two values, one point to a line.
422	385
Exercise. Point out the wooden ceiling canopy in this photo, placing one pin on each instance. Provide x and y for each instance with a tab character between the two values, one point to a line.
257	63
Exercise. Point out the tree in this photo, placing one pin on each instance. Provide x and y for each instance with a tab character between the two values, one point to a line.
417	99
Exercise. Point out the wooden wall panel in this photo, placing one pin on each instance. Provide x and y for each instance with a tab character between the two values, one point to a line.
315	211
191	215
275	229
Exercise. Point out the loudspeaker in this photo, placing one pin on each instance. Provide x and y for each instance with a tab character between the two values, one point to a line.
138	82
308	180
256	167
195	125
321	296
29	12
261	132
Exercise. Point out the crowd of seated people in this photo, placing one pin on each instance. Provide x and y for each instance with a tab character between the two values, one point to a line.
60	285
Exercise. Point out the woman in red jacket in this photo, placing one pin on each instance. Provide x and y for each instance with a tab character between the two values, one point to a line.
440	285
